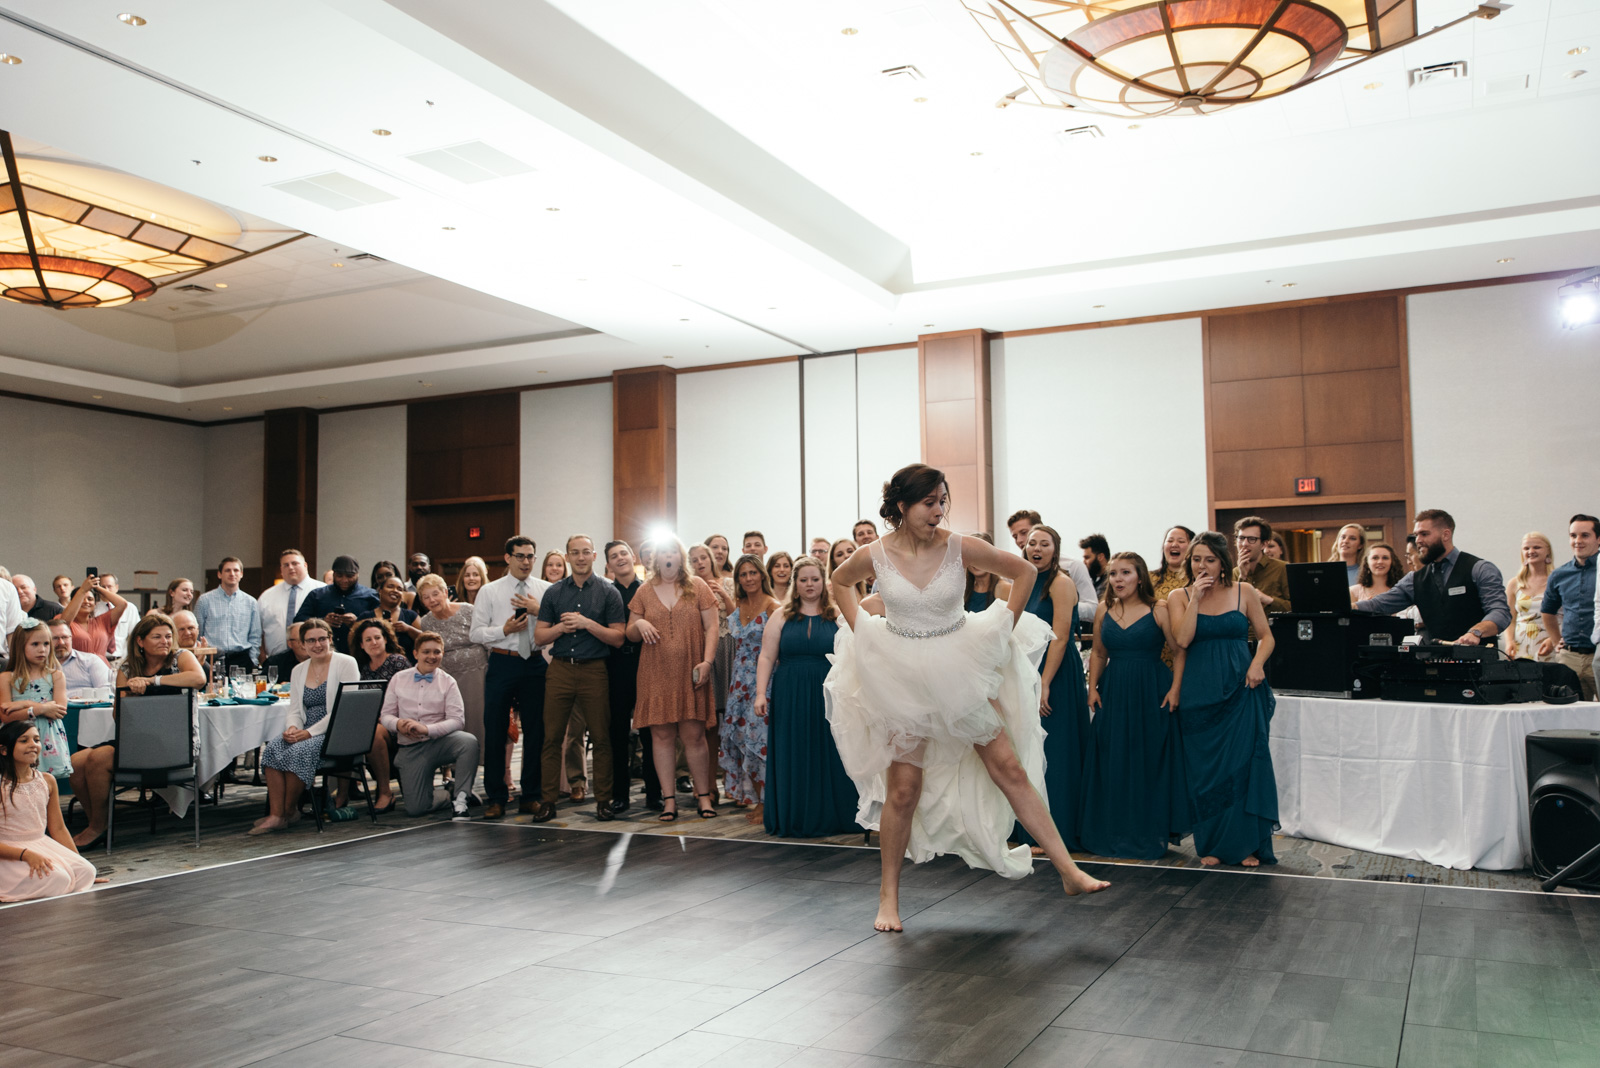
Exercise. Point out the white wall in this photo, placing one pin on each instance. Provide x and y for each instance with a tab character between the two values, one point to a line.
1505	415
361	487
235	458
831	506
1102	431
566	466
888	411
82	488
739	454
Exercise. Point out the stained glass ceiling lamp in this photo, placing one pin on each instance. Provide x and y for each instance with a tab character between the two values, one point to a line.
1136	59
61	252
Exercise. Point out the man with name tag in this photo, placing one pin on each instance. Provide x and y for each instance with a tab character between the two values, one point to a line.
1462	598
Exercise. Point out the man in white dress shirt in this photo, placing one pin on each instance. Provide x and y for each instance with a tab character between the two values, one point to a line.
1021	524
282	600
11	614
502	622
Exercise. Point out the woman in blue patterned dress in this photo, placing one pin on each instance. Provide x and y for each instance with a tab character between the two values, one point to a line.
744	732
1225	709
291	760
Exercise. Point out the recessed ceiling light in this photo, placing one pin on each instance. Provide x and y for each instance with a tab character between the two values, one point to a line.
420	382
227	407
773	308
919	100
1505	259
97	396
381	132
669	357
1580	50
322	396
849	31
9	59
1099	305
267	159
1373	85
447	227
552	209
1135	126
926	325
335	264
1575	74
544	372
222	285
677	265
974	153
131	19
583	279
683	320
1289	285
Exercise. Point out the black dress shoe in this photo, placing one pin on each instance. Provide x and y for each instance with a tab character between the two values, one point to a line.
654	804
685	784
604	813
544	814
619	806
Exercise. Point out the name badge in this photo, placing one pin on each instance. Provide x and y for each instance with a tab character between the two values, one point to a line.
1456	591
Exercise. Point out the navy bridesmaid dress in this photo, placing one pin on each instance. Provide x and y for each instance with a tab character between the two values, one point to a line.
1232	792
1066	729
808	793
1134	797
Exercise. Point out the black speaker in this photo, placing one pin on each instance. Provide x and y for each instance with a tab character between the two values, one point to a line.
1564	802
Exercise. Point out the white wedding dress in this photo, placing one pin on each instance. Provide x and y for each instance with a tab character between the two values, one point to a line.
915	686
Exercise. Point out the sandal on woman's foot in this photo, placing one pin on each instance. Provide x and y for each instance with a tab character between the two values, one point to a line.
669	817
706	811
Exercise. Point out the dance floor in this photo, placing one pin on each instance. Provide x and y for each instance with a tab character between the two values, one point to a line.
470	945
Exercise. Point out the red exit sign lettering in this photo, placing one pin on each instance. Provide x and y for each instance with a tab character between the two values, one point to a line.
1305	487
474	532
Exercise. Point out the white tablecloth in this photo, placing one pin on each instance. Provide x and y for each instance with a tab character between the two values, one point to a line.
222	731
1441	783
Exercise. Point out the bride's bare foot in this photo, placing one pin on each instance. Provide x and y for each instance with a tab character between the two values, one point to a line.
1081	882
888	919
1210	862
1252	861
1037	851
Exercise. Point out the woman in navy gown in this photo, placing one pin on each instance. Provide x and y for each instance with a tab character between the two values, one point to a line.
980	585
1134	797
1063	702
1225	709
808	794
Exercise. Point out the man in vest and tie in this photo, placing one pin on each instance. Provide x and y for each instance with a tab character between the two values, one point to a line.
502	622
1461	597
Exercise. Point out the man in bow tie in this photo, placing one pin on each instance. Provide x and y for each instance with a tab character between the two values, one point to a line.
423	709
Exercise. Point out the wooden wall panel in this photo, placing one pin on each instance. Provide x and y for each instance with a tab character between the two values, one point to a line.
1260	345
1352	406
1350	335
1264	413
463	470
289	486
644	452
1363	468
1258	474
953	375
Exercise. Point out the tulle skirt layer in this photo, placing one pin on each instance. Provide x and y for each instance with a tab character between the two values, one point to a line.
926	701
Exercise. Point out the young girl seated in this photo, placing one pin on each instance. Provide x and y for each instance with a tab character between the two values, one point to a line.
37	857
34	689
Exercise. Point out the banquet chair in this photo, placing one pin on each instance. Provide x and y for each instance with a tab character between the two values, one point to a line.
155	748
348	739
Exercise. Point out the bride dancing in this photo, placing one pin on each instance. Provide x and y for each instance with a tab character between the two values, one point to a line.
936	710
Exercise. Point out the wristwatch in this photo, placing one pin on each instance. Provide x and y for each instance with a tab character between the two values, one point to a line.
1476	633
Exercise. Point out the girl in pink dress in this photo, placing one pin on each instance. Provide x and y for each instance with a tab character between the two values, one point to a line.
37	857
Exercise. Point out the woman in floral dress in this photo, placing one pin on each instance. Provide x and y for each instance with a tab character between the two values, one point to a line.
744	733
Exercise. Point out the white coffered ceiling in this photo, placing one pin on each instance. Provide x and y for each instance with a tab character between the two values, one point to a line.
571	186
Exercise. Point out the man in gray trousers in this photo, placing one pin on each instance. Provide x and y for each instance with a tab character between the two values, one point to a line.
423	709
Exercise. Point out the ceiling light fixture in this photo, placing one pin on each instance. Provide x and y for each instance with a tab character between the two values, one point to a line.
1134	126
544	372
919	100
1580	50
1505	259
63	252
9	60
1372	85
1099	305
1289	285
267	159
227	407
552	209
447	227
97	396
849	31
222	285
336	264
130	19
1575	74
382	132
974	153
1188	57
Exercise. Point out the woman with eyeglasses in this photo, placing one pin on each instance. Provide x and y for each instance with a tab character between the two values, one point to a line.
290	761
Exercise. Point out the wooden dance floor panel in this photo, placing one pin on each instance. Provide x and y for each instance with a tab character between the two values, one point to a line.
465	946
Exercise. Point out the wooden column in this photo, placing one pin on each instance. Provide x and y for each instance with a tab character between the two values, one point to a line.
289	489
953	375
644	452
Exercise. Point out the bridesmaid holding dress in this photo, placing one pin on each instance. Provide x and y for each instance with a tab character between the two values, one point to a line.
1063	702
744	733
808	793
1226	709
1134	798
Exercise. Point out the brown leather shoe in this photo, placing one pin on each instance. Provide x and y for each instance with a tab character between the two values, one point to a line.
494	810
530	808
545	813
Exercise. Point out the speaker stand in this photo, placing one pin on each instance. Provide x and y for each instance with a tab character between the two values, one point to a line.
1575	868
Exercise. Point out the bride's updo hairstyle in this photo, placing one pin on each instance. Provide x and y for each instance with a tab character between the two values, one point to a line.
909	485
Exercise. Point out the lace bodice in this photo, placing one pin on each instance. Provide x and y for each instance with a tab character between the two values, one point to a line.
927	612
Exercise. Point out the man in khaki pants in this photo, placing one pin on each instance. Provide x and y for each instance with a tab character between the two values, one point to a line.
583	617
1570	590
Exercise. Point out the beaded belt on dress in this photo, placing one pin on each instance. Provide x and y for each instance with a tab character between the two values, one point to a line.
906	632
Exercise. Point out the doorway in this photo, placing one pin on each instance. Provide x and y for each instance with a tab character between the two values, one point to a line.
1312	530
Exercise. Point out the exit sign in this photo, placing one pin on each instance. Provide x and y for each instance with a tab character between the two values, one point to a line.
1307	487
474	532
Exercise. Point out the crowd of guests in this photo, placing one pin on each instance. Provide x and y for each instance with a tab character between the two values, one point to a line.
716	661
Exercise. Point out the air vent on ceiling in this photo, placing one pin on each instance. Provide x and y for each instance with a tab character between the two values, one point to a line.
1508	83
1437	73
336	191
471	162
1079	133
367	256
192	289
907	73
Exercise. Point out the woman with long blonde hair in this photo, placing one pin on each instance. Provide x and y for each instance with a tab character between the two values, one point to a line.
1350	547
808	795
674	615
473	576
1525	594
